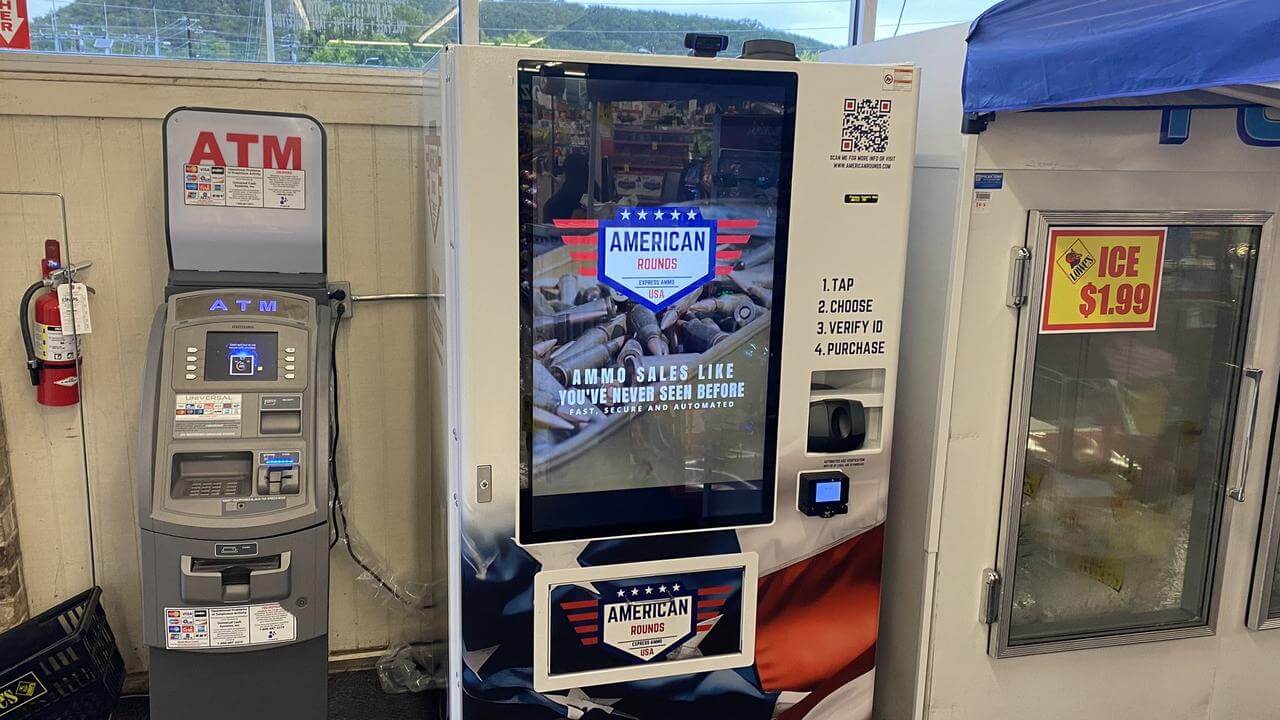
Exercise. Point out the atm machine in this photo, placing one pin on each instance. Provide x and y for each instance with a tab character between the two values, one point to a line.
674	287
235	428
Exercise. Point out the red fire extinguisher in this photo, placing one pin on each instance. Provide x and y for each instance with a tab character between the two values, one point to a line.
53	357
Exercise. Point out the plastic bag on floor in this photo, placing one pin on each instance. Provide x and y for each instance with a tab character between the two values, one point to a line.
411	668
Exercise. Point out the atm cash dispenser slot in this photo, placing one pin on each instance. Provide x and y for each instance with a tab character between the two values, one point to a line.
208	581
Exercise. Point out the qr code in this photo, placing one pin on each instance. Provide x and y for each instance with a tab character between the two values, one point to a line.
866	125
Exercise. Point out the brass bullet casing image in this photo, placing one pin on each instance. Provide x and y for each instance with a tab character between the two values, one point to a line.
629	352
738	308
701	335
596	335
564	325
644	324
673	313
593	357
755	256
758	276
759	293
542	349
568	285
547	419
546	395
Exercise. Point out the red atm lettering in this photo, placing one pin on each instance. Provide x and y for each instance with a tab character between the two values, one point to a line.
278	155
287	158
206	149
242	141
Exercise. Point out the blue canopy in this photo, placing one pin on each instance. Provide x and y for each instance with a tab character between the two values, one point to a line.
1026	54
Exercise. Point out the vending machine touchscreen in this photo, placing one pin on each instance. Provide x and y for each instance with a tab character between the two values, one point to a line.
650	330
672	349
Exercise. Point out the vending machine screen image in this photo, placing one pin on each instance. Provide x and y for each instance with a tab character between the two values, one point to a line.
653	239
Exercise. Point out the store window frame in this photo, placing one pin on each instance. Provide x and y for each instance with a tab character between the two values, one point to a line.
1267	554
1018	427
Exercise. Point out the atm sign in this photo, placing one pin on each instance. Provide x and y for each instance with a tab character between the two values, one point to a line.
264	306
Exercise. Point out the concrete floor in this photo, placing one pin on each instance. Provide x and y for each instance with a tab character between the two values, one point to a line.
352	696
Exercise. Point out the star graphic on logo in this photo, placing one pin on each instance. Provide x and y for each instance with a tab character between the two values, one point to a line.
643	214
675	587
659	215
692	214
635	591
622	593
662	588
648	590
625	214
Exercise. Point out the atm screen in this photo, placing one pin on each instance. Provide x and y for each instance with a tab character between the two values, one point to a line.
653	245
240	356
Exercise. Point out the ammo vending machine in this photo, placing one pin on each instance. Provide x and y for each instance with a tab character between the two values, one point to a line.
674	291
235	428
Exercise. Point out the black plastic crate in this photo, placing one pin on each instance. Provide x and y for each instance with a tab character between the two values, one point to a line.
62	665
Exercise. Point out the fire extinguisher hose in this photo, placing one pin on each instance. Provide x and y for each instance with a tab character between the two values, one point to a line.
24	322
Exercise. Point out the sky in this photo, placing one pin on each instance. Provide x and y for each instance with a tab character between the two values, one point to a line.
824	20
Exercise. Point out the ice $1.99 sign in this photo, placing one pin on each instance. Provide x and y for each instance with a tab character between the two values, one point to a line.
1102	279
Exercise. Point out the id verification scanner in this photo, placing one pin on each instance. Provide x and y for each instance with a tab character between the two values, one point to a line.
234	441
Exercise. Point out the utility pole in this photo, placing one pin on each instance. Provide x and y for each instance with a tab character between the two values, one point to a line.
270	22
57	42
186	22
155	25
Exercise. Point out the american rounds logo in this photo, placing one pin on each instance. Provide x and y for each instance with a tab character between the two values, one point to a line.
656	255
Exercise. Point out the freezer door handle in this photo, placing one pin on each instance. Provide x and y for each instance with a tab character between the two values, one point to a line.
1237	493
1019	257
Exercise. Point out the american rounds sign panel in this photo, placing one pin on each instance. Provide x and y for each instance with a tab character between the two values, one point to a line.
655	256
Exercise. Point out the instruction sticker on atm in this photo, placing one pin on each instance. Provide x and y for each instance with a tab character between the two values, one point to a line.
1102	279
223	627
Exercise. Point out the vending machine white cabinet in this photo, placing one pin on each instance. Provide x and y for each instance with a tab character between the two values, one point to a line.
1083	521
674	291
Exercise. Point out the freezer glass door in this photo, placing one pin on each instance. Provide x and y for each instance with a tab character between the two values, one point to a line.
1122	427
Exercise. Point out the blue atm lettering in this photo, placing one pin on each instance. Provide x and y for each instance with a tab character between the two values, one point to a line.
245	305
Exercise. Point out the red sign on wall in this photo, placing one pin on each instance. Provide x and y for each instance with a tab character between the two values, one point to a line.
15	25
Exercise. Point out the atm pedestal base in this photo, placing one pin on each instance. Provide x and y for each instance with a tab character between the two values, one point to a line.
290	681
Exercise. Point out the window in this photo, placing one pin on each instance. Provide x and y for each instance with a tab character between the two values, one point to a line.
397	33
659	26
900	17
408	33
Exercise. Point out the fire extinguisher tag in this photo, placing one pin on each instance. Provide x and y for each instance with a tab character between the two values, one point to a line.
73	304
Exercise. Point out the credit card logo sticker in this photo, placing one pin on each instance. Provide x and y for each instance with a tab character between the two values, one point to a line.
655	255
